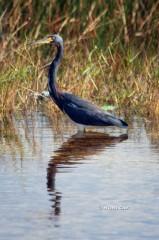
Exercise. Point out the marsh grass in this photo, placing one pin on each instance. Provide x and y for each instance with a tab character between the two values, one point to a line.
106	53
128	80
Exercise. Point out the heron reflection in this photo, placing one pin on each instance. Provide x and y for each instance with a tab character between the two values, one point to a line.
72	152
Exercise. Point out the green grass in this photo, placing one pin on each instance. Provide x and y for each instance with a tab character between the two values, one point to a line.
110	52
127	80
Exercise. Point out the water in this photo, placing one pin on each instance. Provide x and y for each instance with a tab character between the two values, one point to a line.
57	184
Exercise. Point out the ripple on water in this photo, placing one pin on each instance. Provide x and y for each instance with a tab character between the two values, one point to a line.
56	182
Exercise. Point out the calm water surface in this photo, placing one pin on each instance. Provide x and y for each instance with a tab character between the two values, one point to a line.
58	184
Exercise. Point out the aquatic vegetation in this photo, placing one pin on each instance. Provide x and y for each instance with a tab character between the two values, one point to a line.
104	77
110	53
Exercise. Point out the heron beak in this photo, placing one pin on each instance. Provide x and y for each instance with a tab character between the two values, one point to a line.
42	41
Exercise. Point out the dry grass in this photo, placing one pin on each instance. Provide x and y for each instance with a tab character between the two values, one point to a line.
106	58
129	81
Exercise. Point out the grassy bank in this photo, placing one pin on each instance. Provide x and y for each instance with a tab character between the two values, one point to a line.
110	52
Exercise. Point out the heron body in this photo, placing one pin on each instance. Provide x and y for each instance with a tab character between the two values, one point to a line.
79	111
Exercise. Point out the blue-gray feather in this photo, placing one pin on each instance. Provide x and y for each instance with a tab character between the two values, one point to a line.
79	110
86	113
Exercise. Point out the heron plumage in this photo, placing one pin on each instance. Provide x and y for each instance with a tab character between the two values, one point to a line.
80	111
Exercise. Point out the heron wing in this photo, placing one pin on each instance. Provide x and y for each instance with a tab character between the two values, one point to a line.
86	113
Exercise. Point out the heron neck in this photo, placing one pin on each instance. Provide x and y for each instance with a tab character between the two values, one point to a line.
53	72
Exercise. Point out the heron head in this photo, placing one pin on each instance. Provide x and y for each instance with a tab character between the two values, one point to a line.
55	39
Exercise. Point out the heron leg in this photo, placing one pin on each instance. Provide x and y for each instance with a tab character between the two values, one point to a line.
81	128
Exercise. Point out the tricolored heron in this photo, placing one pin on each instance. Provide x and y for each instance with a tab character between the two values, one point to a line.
80	111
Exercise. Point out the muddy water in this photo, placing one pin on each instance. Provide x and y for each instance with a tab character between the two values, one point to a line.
58	184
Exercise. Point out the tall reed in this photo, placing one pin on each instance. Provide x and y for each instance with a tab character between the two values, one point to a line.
110	51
